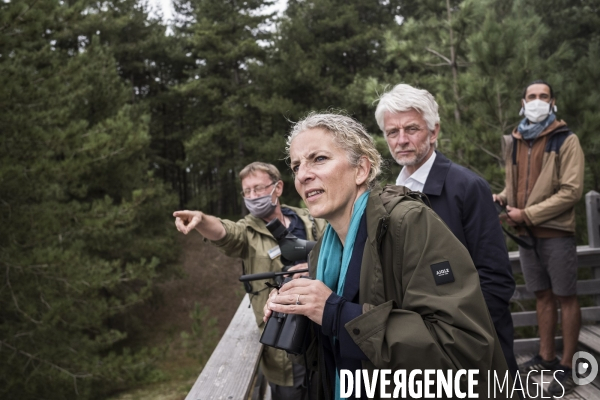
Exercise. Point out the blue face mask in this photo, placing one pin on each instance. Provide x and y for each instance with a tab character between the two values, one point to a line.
261	207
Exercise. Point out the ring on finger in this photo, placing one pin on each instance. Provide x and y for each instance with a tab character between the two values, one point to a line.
298	300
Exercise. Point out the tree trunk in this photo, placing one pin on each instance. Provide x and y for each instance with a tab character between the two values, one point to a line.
454	66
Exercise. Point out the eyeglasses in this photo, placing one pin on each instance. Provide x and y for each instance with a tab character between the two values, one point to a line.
408	130
259	190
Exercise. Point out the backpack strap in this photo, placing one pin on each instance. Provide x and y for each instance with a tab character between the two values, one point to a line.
557	139
509	143
394	194
314	227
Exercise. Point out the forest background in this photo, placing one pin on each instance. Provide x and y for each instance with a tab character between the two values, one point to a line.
110	120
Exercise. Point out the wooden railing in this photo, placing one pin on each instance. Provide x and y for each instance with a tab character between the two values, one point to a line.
587	257
230	373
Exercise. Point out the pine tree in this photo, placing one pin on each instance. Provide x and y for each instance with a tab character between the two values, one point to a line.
221	123
475	57
498	47
82	231
574	78
153	63
323	52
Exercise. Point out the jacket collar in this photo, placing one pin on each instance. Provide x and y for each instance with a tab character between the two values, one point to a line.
256	224
437	176
260	225
377	218
553	126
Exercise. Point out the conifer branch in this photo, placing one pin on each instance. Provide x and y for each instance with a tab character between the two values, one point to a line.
32	357
436	65
18	16
489	152
470	166
109	155
15	299
443	57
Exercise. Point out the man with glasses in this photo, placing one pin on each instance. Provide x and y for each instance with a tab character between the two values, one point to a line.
250	240
409	120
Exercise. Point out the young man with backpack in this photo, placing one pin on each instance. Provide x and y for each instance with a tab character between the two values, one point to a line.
544	181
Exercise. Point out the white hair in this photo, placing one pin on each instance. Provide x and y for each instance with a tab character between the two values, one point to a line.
404	98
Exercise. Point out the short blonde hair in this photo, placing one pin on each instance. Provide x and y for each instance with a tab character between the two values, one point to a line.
269	169
349	134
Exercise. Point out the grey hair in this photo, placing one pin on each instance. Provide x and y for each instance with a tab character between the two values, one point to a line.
405	98
349	134
269	169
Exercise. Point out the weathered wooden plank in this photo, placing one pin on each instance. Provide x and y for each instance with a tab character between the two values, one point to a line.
230	371
529	318
586	256
585	287
524	318
533	383
590	336
587	392
597	276
523	346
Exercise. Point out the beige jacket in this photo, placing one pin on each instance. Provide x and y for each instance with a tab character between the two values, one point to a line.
545	179
249	239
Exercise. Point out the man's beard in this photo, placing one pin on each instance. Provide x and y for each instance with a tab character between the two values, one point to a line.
415	157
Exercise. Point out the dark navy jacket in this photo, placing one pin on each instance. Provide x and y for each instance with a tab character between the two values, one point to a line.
464	202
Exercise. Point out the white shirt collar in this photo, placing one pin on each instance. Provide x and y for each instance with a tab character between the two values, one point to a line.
417	180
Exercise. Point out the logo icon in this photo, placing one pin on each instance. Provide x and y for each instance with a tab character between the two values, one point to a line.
584	362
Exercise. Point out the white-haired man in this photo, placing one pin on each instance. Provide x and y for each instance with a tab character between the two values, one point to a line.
409	120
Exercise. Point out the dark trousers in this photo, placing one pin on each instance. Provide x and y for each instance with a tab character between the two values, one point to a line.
500	313
296	392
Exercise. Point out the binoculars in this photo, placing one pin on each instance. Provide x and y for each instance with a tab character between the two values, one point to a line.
285	331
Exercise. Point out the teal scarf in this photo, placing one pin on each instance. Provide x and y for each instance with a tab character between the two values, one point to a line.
334	258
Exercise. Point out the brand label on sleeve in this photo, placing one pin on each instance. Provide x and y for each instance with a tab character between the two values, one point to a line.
442	273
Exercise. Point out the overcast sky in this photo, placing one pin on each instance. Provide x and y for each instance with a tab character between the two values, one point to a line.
167	7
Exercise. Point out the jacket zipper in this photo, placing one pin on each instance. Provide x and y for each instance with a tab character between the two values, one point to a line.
530	144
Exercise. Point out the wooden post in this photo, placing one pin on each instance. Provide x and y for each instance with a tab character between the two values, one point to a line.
592	208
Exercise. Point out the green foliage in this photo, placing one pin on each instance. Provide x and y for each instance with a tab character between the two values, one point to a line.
222	125
83	234
320	55
102	110
477	56
323	50
203	338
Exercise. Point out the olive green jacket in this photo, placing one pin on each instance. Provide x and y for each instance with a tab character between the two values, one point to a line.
249	239
408	321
